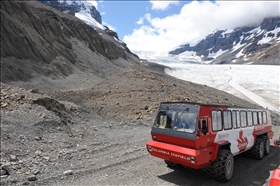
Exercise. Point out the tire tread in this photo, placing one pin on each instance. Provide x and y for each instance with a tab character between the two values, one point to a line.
217	170
254	152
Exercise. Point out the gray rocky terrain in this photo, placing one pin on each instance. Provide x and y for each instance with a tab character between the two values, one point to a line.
77	107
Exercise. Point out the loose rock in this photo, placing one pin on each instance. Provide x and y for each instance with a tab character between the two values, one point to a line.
7	168
68	172
36	172
12	158
32	178
3	172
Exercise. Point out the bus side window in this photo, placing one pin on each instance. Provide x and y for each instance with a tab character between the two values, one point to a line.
203	126
237	119
255	118
250	118
243	119
260	118
234	119
264	118
217	120
227	120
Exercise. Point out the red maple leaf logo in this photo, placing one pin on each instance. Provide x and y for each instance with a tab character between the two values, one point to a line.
242	142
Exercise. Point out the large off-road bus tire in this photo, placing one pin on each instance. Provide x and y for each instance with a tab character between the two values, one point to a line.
258	150
222	168
266	145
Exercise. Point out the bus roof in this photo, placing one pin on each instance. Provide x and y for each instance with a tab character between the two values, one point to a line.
211	105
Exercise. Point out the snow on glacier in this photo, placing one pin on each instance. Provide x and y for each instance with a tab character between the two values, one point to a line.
261	80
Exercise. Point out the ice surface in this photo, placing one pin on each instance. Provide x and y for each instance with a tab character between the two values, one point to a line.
255	83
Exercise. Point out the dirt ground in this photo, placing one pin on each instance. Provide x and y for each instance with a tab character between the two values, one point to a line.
97	135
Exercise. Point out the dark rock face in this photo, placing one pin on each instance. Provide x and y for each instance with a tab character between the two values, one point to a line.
72	8
111	32
221	40
95	14
37	37
269	24
51	31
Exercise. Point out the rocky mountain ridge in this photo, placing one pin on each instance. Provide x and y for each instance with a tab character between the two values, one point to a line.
82	10
240	45
41	40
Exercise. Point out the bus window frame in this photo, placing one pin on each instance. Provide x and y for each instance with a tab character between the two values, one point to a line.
254	118
221	120
246	122
234	116
264	114
252	122
260	118
238	120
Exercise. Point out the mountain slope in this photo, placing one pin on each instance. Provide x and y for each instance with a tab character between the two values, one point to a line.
41	41
259	45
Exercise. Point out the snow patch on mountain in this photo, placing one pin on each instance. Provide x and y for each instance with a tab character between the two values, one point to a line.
227	32
267	38
85	12
86	17
237	46
216	54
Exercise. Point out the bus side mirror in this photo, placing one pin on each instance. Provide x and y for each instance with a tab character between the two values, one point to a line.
204	127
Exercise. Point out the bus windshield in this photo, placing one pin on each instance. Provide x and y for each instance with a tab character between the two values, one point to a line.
178	121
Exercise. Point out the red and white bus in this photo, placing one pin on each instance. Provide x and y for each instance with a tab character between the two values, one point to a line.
208	136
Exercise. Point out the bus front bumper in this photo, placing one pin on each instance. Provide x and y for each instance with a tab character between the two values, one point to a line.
181	155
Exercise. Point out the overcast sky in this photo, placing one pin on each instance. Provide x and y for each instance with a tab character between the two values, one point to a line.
164	25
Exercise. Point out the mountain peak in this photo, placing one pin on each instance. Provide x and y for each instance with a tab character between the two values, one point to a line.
239	45
79	8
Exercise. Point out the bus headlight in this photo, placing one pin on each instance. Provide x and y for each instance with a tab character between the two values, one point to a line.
192	159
